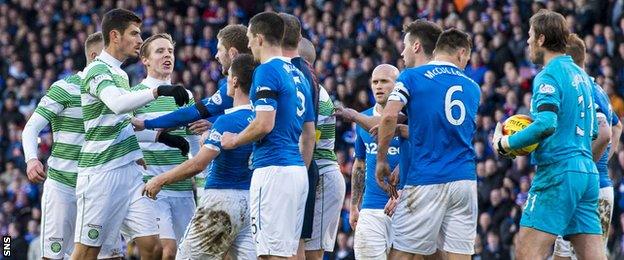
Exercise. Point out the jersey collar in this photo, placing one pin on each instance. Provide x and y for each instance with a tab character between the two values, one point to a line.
154	83
439	62
109	59
236	108
286	59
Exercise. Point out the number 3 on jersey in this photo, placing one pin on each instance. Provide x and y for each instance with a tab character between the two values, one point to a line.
301	104
449	103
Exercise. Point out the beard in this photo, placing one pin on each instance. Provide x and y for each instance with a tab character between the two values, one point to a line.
538	57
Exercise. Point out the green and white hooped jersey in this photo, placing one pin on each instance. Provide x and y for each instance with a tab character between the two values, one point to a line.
109	138
325	131
159	157
61	107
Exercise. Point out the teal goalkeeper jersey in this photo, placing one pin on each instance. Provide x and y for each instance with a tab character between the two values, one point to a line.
564	88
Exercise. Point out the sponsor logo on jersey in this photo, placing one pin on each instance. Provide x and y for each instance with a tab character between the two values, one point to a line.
546	89
216	98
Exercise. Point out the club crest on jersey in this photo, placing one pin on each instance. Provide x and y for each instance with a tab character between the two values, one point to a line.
216	98
215	136
546	89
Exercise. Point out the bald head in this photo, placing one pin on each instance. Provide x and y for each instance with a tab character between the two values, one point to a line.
306	50
382	82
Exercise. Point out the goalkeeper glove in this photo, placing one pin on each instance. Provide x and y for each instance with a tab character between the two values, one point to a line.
500	143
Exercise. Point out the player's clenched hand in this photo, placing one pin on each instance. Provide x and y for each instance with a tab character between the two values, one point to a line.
391	205
200	126
152	187
382	172
347	114
228	140
178	92
354	215
500	143
138	124
35	171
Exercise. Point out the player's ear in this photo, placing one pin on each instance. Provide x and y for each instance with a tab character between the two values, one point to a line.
540	40
232	53
114	36
235	82
144	60
416	46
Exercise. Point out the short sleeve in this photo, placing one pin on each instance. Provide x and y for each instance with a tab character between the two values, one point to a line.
360	149
546	94
266	88
214	137
400	92
217	103
55	101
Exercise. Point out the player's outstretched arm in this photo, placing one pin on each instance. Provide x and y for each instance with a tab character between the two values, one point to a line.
616	132
34	167
187	169
178	118
120	101
364	121
599	145
262	125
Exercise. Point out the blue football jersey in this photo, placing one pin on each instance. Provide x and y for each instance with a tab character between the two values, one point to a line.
366	149
603	107
442	105
231	169
567	89
278	86
219	101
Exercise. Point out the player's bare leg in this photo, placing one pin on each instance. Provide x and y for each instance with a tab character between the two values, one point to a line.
169	248
314	254
271	257
149	247
533	244
588	246
400	255
453	256
301	253
84	252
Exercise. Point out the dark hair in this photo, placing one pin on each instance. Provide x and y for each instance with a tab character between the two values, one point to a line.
554	28
93	39
119	20
452	40
426	32
144	51
270	25
292	31
234	36
576	49
243	67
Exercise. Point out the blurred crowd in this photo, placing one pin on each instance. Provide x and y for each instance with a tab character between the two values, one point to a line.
42	41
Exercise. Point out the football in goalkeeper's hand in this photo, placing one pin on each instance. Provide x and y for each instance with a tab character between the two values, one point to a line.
514	124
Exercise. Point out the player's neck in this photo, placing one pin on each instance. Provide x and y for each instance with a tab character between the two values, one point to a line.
117	54
548	56
159	76
290	53
269	52
446	58
240	99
